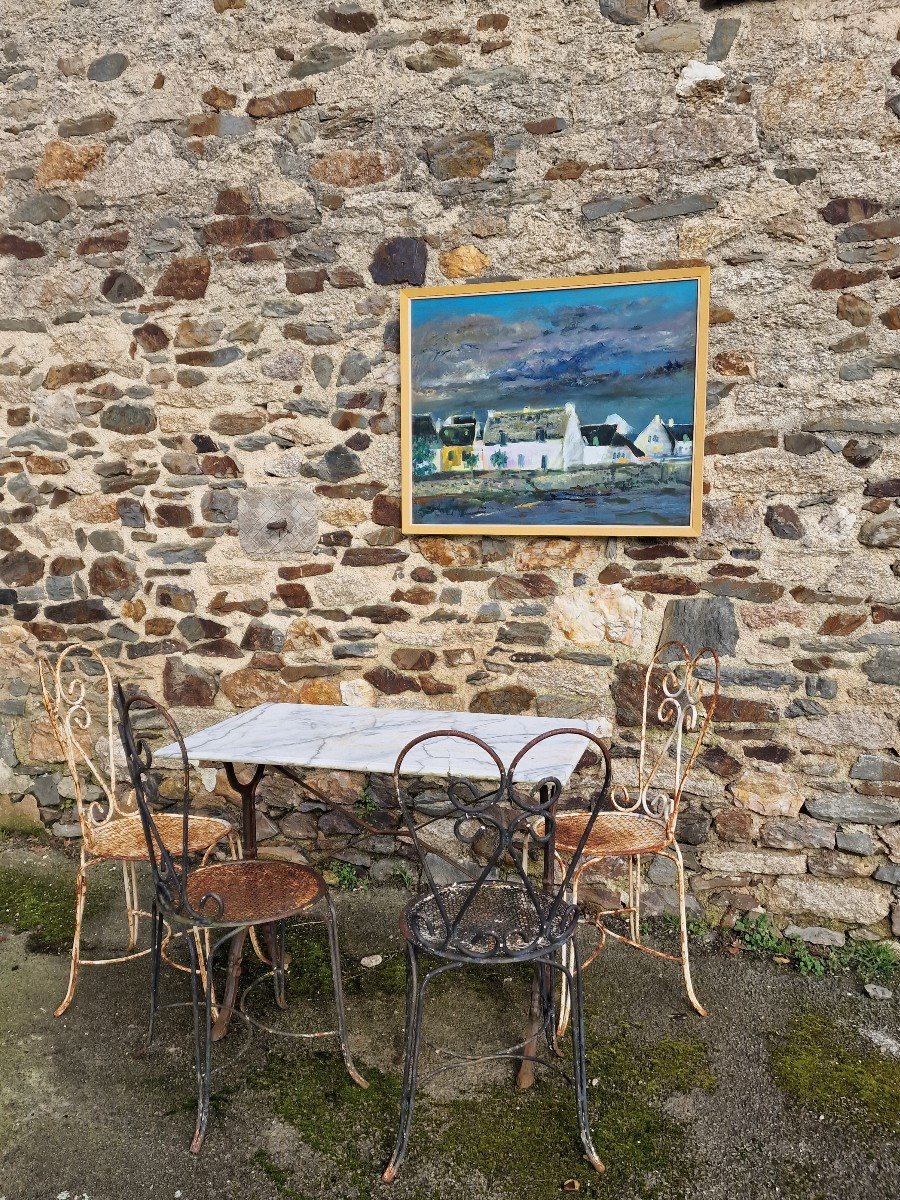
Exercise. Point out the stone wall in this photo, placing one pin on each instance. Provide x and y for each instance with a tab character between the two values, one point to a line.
208	209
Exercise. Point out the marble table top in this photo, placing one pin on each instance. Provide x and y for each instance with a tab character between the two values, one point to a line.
345	738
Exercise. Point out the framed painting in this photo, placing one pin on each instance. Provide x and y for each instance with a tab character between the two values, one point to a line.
555	407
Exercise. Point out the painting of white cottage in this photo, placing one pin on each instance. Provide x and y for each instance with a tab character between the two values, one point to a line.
573	407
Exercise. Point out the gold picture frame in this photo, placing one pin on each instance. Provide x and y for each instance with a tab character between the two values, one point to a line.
458	476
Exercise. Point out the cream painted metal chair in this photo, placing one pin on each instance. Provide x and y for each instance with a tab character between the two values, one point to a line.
110	825
643	819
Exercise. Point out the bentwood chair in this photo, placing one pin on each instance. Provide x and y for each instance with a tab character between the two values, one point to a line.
500	916
217	902
643	819
111	829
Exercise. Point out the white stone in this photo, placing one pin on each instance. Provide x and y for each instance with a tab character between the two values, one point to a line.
358	692
768	793
854	729
592	616
371	960
853	902
287	465
148	165
815	935
370	739
753	862
698	77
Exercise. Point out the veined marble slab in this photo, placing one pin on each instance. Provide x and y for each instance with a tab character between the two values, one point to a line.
344	738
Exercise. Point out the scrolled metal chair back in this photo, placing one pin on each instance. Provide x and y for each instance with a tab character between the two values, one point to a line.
169	878
74	690
689	691
497	821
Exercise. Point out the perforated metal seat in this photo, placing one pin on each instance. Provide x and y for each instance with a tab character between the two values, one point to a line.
501	920
612	834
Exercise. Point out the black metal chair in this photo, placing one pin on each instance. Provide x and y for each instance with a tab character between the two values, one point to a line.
211	905
500	915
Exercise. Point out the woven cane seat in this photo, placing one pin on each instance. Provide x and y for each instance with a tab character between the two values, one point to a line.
124	837
613	834
502	922
254	891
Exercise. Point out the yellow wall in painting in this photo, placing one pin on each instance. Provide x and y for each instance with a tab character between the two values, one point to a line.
452	458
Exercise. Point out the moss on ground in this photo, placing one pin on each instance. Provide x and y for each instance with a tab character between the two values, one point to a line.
42	904
828	1067
524	1144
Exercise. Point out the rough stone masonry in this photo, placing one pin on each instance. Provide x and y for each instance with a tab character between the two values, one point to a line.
208	210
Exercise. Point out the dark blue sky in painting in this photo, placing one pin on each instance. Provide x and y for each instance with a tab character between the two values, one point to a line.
627	348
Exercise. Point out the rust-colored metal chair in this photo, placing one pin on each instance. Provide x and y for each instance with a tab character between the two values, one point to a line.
212	905
643	819
110	826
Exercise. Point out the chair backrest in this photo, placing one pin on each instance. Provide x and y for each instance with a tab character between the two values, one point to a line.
78	688
680	695
170	877
497	818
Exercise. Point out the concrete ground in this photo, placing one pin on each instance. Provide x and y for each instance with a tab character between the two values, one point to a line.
789	1088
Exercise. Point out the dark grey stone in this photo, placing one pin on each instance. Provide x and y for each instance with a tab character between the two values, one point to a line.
851	809
625	12
354	650
682	206
38	210
322	368
796	175
319	59
821	686
889	873
22	325
43	439
854	841
876	768
701	623
724	33
884	667
607	206
355	367
107	67
337	464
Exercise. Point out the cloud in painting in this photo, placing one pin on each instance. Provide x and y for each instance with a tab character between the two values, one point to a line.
489	347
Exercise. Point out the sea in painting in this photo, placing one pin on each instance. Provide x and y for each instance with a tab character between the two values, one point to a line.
554	407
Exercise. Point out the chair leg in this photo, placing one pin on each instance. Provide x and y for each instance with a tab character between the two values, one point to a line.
565	1000
634	898
413	1039
157	926
202	1041
135	928
334	948
80	901
682	912
576	984
278	961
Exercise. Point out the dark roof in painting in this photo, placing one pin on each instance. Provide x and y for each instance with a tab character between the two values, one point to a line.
677	433
458	433
522	426
607	435
423	427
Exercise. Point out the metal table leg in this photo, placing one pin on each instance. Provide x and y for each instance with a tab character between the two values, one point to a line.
247	793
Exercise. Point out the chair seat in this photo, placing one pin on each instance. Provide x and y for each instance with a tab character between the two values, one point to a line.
612	834
124	837
254	891
502	923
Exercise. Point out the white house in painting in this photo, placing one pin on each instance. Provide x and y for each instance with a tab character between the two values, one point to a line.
665	440
606	444
532	439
